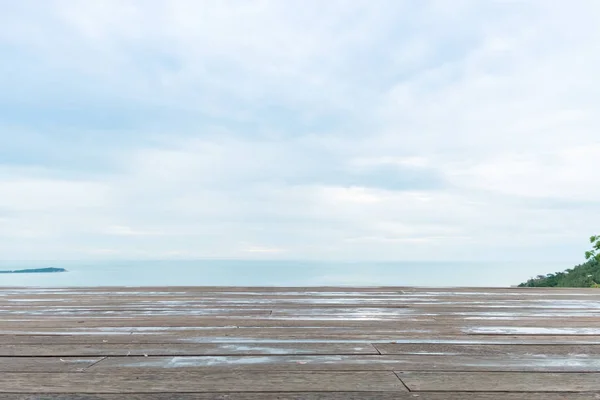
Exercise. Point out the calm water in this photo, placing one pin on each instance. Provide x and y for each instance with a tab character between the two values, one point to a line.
273	273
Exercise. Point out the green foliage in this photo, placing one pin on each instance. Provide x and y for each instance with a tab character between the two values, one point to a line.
594	253
584	275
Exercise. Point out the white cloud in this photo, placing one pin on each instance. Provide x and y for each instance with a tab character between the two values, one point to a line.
565	174
262	249
120	230
389	130
411	161
48	194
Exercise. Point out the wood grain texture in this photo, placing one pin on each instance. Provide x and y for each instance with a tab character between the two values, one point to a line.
307	396
500	382
506	350
278	343
183	349
43	364
354	363
175	382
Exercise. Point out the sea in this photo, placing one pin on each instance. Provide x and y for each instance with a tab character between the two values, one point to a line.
273	273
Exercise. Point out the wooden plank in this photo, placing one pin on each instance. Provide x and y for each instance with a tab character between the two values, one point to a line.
476	293
211	322
306	396
427	297
199	290
175	382
305	301
352	363
288	337
507	350
46	364
190	349
256	336
361	289
281	307
269	328
575	327
500	382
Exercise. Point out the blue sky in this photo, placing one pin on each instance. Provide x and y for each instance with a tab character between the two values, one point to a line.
362	130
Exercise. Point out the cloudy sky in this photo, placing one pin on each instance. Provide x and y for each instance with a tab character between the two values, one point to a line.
334	130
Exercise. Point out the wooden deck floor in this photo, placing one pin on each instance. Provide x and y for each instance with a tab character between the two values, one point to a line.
299	343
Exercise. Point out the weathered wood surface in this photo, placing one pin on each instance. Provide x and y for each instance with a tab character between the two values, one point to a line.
184	349
285	338
279	343
500	382
453	350
579	363
307	396
232	381
54	364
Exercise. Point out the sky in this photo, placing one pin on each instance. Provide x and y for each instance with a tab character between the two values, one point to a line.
337	130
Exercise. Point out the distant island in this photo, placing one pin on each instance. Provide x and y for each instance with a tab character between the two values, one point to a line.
34	271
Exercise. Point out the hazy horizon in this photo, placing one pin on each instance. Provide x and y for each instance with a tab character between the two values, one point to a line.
274	273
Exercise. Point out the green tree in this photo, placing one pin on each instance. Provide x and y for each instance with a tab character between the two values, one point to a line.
584	275
595	252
